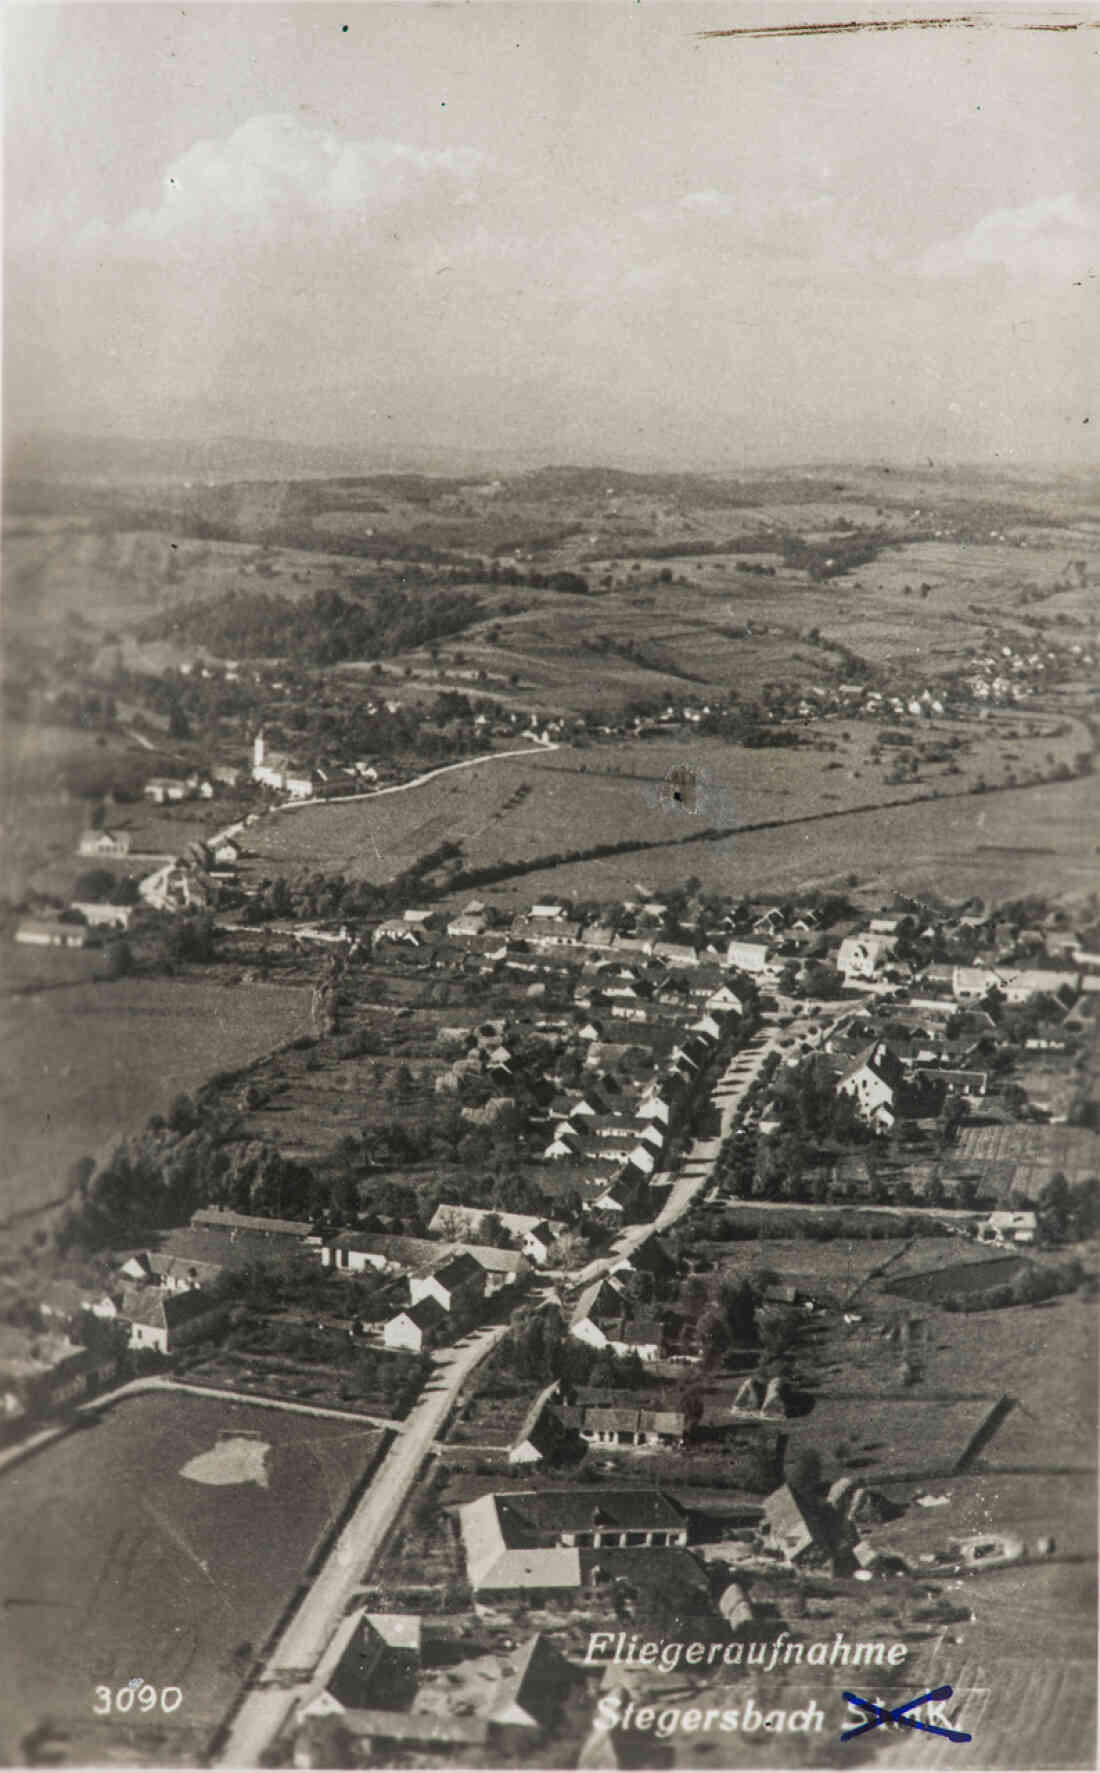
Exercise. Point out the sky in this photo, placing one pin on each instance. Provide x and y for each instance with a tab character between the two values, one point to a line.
559	232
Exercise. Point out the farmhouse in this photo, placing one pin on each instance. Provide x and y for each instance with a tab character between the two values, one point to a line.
800	1529
458	1281
859	957
417	1327
41	932
286	1231
99	915
531	1689
534	1236
873	1080
167	1321
534	1540
1008	1228
110	844
373	1658
161	789
748	957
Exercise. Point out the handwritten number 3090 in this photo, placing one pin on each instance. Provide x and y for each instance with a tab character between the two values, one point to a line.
147	1697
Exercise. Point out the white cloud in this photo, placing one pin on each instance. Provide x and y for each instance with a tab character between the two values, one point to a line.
1054	237
275	177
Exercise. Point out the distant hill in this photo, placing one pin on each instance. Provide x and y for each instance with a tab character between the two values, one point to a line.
47	455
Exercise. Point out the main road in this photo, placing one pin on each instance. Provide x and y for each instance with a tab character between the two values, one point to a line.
267	1707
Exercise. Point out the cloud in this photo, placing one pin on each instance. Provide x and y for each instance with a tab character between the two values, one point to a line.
276	177
1054	237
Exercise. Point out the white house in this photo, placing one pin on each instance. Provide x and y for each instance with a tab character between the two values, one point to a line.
172	887
99	915
458	1279
748	957
416	1327
115	844
166	1321
1008	1228
970	983
873	1080
42	932
166	788
859	957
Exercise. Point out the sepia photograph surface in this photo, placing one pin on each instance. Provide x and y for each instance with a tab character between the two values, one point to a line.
550	908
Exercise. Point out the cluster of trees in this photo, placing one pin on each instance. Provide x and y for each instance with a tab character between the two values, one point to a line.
1067	1213
1029	1287
192	1159
834	557
539	1348
320	630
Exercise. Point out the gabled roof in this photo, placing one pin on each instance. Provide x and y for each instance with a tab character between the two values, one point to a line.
457	1269
164	1311
529	1693
600	1299
426	1314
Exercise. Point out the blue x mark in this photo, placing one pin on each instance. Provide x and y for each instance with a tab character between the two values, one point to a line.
897	1716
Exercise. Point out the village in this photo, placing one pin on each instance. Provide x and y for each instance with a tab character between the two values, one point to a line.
655	1075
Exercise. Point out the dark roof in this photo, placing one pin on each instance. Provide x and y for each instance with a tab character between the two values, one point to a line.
456	1269
165	1310
220	1218
425	1314
573	1510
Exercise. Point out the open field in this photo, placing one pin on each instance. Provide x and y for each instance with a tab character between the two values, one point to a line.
521	810
84	1066
929	846
120	1562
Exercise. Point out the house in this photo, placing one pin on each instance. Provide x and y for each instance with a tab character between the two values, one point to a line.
533	1235
225	852
541	1430
533	1683
533	1540
642	1336
43	1373
627	1423
873	1081
99	915
498	1268
770	922
174	887
169	1321
372	1658
161	789
42	932
798	1527
970	983
417	1327
467	924
724	1002
1008	1228
221	1219
1018	986
601	1302
859	957
649	1257
748	957
111	844
458	1282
